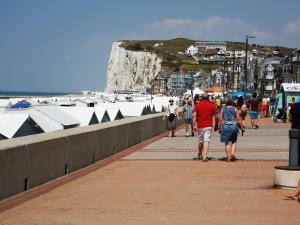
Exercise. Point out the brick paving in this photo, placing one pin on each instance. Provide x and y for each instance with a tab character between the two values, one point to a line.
186	192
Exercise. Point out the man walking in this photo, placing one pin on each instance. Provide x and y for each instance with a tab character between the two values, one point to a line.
188	117
204	114
254	108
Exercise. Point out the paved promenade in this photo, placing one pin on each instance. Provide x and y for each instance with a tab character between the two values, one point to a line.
161	183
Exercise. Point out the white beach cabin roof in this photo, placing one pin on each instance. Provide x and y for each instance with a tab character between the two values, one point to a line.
113	110
130	109
56	114
291	87
10	124
46	123
102	114
83	114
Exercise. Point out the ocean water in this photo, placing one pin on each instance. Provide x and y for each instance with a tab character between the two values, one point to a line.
24	93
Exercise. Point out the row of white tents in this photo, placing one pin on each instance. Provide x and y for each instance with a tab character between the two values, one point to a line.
45	117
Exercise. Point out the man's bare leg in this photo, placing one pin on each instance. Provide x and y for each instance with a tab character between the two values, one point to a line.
187	129
200	148
205	150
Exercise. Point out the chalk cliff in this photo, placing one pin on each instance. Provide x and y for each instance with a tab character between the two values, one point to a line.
131	70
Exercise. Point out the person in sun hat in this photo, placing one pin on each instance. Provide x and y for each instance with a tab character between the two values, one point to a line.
172	115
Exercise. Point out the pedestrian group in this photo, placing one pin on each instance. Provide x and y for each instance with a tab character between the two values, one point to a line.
203	115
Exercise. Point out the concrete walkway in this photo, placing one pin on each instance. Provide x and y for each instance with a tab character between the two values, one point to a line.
162	184
256	144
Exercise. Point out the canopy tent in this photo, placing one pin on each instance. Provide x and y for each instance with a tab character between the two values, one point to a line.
214	89
195	92
21	105
237	94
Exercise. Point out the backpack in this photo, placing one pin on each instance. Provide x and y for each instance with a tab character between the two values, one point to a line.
171	117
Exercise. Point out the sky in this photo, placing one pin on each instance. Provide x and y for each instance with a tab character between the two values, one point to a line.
64	45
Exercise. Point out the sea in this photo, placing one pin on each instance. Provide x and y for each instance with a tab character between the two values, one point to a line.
26	93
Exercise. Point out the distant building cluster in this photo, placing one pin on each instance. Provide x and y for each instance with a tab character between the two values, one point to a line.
254	70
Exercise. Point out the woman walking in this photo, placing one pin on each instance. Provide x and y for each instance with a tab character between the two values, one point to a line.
229	120
242	108
171	114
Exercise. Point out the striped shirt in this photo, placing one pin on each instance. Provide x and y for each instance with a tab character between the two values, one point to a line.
188	111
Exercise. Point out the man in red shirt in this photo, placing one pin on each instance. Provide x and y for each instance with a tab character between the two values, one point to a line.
204	114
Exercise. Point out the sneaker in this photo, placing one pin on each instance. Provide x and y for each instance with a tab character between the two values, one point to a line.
193	134
256	126
187	134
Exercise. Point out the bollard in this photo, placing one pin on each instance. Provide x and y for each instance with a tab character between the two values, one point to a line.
294	148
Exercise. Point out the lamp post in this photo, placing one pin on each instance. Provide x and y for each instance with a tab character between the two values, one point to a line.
246	59
192	86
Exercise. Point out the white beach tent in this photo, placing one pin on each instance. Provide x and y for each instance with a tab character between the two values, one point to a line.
102	114
62	102
4	102
85	115
113	110
46	123
195	92
17	125
56	114
162	103
10	124
130	109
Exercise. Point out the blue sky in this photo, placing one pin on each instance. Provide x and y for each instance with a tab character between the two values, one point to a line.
64	45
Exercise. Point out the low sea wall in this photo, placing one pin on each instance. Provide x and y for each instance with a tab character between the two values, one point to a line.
27	162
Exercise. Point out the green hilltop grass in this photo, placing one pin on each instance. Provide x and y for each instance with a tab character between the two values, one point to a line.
173	62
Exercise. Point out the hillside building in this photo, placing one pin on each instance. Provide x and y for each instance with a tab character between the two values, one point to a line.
211	45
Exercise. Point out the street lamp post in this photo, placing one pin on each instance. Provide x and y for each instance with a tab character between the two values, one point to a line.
246	61
192	86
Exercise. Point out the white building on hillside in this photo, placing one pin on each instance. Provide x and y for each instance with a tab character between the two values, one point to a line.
192	50
211	45
237	53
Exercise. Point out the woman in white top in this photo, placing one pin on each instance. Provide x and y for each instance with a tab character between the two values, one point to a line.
171	114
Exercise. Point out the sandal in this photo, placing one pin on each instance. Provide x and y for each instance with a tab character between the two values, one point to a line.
290	197
233	158
205	160
200	157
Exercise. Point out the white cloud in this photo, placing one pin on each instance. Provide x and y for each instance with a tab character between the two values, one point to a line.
292	27
212	28
263	35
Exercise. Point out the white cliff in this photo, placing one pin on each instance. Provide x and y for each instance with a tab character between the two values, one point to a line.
131	70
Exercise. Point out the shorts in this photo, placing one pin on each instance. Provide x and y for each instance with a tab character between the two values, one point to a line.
188	121
204	134
244	114
253	115
264	107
